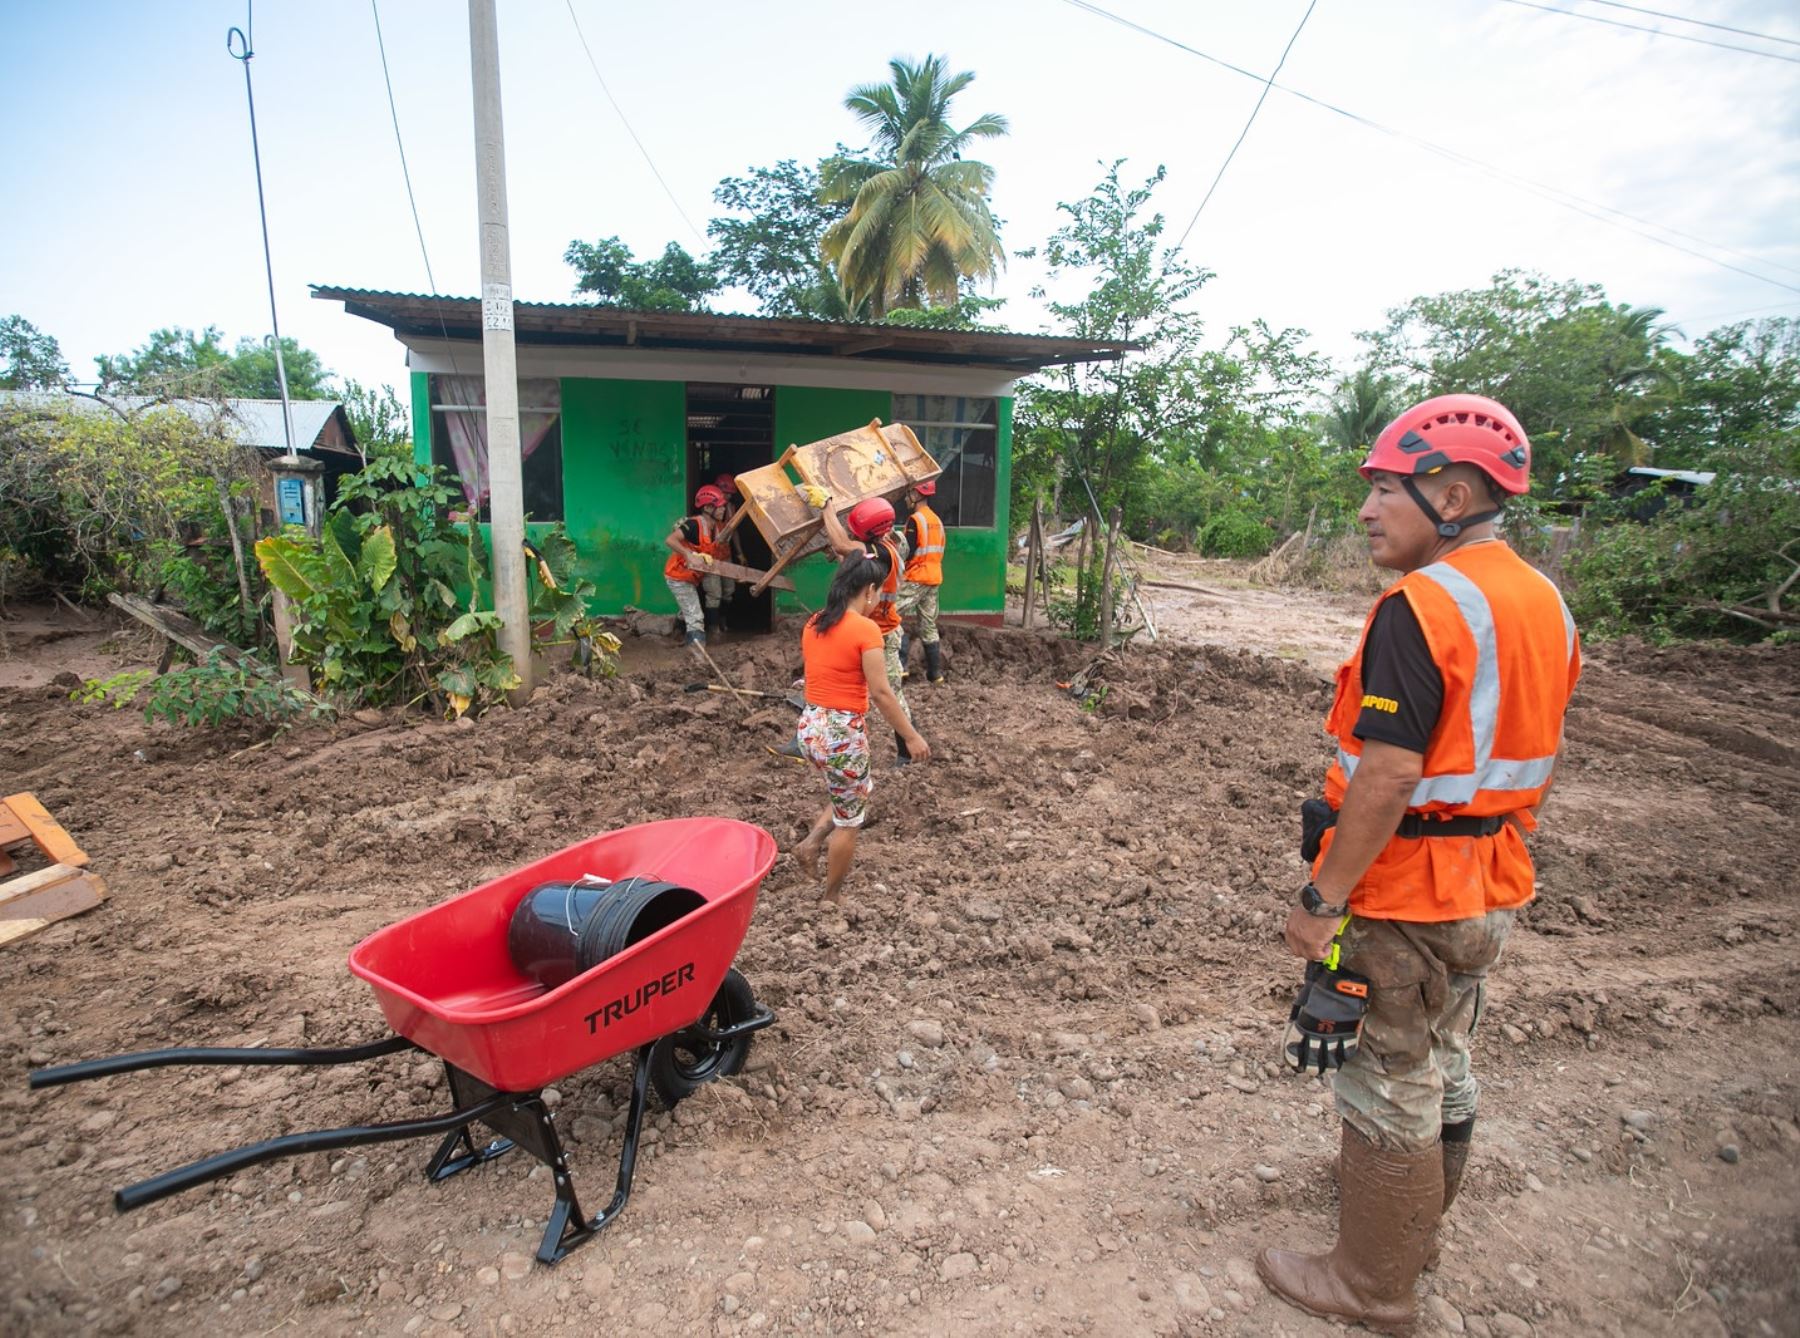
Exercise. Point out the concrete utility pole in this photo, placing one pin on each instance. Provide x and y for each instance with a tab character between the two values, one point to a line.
506	487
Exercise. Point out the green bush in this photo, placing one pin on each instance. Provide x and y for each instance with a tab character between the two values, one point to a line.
1235	534
376	609
1681	573
218	692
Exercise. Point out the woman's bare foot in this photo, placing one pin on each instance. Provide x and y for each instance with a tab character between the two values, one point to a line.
807	855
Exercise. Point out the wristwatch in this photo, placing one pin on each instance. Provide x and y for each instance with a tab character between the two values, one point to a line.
1313	902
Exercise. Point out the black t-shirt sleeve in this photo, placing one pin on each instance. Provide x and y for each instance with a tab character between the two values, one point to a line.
1403	690
690	530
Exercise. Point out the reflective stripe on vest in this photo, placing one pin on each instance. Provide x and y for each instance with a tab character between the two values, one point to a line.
886	613
1490	773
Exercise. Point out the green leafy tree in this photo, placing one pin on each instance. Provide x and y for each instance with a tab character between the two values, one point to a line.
29	358
1091	425
378	420
775	250
918	224
1581	373
181	364
1739	386
674	281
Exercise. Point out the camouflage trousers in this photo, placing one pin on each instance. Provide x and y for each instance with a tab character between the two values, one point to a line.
687	599
1411	1075
922	600
890	658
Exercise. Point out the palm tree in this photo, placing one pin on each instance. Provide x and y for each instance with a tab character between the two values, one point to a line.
1358	409
919	222
1634	383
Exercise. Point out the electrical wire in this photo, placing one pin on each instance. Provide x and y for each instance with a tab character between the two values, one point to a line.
1556	195
239	48
1654	32
1267	84
406	176
594	65
1698	23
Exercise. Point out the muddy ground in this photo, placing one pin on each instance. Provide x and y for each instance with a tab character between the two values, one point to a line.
1025	1082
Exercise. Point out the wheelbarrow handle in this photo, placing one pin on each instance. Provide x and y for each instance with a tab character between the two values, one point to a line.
157	1059
293	1145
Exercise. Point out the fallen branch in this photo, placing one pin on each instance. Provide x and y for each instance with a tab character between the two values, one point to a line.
1190	589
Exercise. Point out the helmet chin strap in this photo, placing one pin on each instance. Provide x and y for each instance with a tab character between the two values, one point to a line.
1449	529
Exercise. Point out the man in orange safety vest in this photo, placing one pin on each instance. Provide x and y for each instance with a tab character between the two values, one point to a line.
1448	721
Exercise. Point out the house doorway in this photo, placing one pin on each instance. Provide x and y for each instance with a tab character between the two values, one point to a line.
731	429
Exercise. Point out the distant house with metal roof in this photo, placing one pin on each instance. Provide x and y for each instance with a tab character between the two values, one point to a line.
624	414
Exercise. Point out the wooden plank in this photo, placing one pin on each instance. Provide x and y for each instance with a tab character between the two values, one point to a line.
21	917
12	831
35	881
737	573
56	844
177	626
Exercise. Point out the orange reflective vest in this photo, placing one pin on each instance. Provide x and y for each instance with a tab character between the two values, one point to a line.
677	569
926	565
886	613
1505	646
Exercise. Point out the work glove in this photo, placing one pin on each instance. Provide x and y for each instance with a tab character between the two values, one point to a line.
1325	1024
816	497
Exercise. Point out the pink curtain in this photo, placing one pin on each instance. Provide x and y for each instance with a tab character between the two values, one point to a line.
540	403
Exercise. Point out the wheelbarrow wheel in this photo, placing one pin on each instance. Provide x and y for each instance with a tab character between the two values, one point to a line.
684	1062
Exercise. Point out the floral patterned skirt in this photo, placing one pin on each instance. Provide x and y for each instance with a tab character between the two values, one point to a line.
837	743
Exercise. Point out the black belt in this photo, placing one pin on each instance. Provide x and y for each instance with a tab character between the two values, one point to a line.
1415	825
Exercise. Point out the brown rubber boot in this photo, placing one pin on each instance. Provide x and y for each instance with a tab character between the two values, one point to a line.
1388	1210
1453	1143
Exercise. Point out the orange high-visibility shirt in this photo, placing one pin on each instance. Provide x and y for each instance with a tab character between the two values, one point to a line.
1505	645
886	614
708	542
926	565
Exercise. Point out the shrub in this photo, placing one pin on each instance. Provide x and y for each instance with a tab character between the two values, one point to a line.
1235	534
219	692
1703	570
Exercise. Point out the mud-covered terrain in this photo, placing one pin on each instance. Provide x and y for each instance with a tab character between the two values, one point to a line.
1023	1082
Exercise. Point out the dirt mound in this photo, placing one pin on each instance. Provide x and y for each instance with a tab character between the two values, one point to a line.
1025	1080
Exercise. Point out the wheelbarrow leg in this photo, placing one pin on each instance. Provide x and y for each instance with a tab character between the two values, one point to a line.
567	1228
464	1091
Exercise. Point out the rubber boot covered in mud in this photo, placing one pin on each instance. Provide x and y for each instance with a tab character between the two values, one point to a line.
1389	1205
934	662
902	757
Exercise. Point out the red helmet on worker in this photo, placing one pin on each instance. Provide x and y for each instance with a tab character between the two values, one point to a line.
926	489
1455	429
870	519
726	484
708	495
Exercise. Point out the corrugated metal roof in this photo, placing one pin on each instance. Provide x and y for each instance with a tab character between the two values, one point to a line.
1698	478
254	423
578	324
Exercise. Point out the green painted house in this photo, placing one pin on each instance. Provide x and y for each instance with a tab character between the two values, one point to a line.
623	414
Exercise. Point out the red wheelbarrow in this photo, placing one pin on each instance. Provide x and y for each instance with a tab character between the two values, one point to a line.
447	984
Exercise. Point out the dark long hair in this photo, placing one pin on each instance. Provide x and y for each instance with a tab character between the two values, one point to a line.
855	574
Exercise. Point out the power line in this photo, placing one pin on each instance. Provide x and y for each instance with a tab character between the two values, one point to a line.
1555	194
592	64
1267	84
1698	23
406	176
1655	32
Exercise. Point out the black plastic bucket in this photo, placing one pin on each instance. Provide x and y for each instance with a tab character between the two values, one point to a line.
562	929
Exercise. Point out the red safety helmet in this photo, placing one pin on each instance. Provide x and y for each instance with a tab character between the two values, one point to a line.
926	489
870	519
1455	429
726	484
709	496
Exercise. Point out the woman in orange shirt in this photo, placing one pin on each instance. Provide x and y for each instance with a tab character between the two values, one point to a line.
845	670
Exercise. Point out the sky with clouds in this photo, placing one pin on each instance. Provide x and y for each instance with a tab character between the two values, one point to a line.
131	202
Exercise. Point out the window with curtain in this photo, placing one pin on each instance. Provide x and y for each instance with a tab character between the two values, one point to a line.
962	433
459	441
